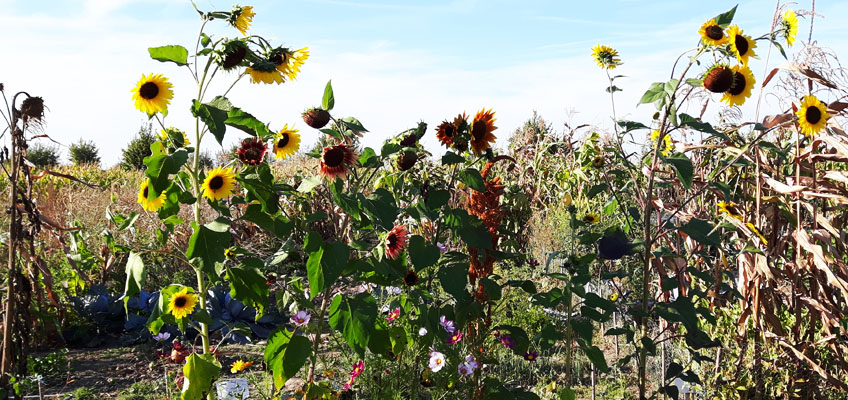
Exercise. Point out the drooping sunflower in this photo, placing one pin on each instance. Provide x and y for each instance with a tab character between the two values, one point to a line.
152	94
182	303
286	143
718	79
598	161
812	116
252	151
757	232
788	26
730	208
150	204
481	131
335	161
239	366
606	57
712	34
241	17
219	184
288	62
164	135
265	72
591	218
232	54
396	241
667	145
743	84
741	45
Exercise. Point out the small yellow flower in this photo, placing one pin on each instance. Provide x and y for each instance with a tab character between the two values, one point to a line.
606	57
240	365
241	18
286	143
613	297
667	146
788	26
182	303
164	135
598	161
812	116
730	208
230	253
591	218
150	204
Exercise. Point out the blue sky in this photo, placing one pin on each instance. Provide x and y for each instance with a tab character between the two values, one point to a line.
393	63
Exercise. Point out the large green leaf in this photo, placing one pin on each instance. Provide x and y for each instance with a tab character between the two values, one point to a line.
596	356
324	266
328	101
214	114
277	224
702	231
423	254
454	278
175	53
724	19
248	123
206	246
199	370
161	166
472	178
135	277
248	285
469	228
683	167
654	93
381	207
285	355
354	317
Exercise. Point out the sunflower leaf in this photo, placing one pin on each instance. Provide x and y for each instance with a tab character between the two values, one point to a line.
161	166
199	370
175	53
248	123
135	277
702	231
683	166
596	356
724	19
285	355
423	254
206	246
354	317
654	93
472	178
214	115
248	285
329	100
324	266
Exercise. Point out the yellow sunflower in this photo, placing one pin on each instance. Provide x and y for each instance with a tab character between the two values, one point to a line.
182	303
606	57
219	184
241	18
812	116
598	161
150	204
286	143
712	34
743	83
240	366
730	208
265	72
667	146
741	45
163	135
289	62
789	26
481	131
613	297
591	218
757	232
152	94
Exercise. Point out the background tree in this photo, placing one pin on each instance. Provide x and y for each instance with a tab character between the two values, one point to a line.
43	155
138	148
84	152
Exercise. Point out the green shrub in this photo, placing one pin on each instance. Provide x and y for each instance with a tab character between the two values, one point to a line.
43	155
139	148
50	365
84	152
140	391
84	393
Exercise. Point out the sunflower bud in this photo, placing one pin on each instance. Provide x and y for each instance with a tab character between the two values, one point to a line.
234	54
316	117
406	160
409	140
718	79
33	108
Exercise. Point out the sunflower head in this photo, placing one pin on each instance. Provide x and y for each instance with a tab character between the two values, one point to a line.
241	17
712	34
232	54
718	79
264	71
406	160
152	94
598	161
336	160
591	218
606	57
730	208
445	132
743	84
219	184
239	366
411	278
667	145
788	26
176	136
481	131
288	62
147	203
812	116
741	45
316	117
252	151
396	241
182	303
32	108
286	143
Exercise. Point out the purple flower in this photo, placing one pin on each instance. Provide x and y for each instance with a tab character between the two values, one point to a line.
465	369
507	341
454	338
533	262
442	247
531	355
447	324
301	318
162	336
470	360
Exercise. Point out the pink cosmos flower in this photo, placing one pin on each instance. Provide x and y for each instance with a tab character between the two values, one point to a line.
348	384
301	318
465	369
507	341
447	324
437	361
471	361
393	315
357	369
531	355
455	338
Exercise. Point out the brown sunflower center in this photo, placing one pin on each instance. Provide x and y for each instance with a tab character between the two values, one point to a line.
278	58
739	84
741	45
253	154
234	57
180	301
216	182
391	240
449	130
283	140
149	90
813	115
144	192
733	210
714	32
334	157
589	218
478	130
411	278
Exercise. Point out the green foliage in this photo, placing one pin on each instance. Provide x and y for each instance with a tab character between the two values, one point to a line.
85	393
84	152
138	148
52	364
43	156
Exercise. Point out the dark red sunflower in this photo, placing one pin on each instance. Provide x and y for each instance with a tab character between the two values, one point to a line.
411	278
481	131
335	161
252	151
445	132
396	240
